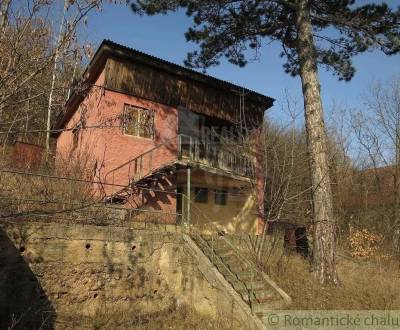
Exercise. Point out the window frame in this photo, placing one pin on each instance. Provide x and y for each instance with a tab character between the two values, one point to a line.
153	115
221	192
198	190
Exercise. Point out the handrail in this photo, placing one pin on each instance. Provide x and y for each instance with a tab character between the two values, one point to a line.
205	243
180	143
253	268
249	263
250	293
246	261
141	155
224	238
224	158
140	167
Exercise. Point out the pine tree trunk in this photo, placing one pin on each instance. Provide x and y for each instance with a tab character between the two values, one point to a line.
324	222
4	7
54	76
396	224
396	213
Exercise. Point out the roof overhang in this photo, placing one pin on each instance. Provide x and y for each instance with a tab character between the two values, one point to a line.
109	49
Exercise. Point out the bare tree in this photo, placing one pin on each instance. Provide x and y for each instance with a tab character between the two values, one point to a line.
304	30
37	63
378	132
4	8
73	13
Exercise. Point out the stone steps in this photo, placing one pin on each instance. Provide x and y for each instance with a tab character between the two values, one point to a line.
256	284
258	296
223	254
264	309
248	283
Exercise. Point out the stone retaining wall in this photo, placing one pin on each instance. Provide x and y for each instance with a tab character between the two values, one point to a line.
53	269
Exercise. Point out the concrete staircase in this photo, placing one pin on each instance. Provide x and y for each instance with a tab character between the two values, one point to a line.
255	287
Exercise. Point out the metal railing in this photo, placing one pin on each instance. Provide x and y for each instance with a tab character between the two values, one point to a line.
141	165
214	155
185	148
194	231
211	247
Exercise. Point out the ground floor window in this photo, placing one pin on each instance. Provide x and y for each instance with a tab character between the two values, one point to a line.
220	197
201	195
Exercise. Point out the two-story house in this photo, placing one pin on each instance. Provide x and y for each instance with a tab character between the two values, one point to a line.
164	137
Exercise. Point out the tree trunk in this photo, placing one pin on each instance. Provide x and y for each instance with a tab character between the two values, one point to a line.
53	78
396	224
4	7
324	222
396	215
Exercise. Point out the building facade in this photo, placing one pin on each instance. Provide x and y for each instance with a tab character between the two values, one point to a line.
162	137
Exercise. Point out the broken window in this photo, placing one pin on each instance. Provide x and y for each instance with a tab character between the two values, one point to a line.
138	121
220	197
201	195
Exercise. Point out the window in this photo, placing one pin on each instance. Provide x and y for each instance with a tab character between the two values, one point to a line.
138	121
201	195
220	197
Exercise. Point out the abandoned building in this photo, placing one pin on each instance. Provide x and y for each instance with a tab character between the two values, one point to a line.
164	137
166	165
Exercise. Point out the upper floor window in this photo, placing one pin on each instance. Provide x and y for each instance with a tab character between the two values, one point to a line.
138	121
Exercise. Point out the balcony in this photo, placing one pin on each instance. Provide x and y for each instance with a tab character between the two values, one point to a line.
214	155
182	149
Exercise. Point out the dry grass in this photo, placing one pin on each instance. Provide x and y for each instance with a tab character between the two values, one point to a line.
178	318
365	285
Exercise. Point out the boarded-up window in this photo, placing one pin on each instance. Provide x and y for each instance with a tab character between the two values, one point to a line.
138	121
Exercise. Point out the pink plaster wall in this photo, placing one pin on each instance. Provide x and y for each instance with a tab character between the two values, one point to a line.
104	149
107	148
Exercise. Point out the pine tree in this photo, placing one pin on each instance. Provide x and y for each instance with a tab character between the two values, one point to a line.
312	33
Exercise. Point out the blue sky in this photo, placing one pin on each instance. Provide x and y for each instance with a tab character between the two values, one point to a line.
163	36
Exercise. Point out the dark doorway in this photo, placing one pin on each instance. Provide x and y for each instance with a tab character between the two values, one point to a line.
302	241
296	240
